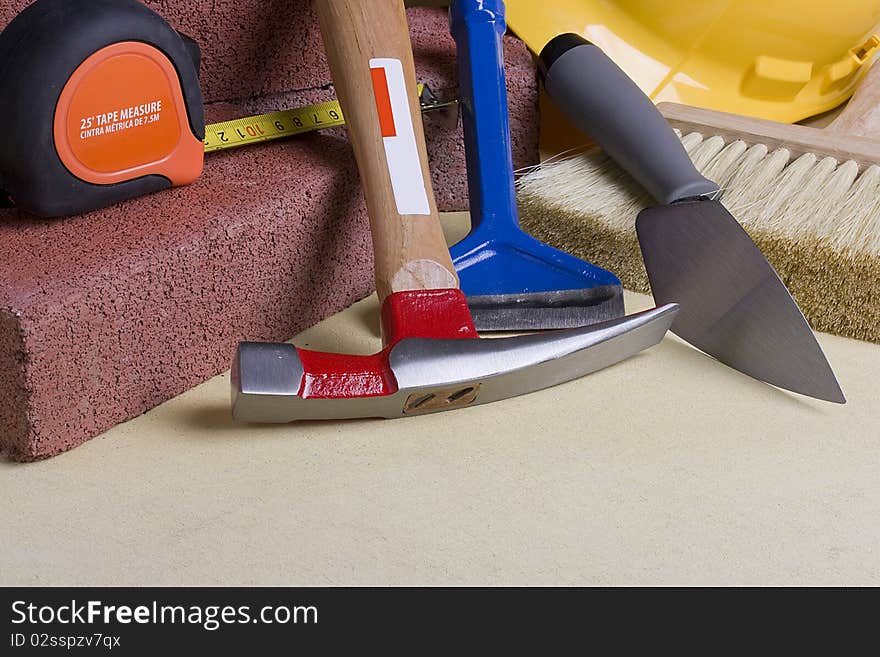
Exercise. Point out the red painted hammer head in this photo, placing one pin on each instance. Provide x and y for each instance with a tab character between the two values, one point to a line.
433	359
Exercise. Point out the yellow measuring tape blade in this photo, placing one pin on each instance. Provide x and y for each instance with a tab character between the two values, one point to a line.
275	125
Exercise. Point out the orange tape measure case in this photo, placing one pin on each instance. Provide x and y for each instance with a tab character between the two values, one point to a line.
83	135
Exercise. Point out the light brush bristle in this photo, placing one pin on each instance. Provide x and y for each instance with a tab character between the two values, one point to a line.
816	219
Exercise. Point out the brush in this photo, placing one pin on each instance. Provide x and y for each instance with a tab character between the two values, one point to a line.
810	199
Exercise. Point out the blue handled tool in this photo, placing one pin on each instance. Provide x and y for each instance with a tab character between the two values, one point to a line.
512	281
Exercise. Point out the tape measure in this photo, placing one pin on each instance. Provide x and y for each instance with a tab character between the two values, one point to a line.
106	106
289	123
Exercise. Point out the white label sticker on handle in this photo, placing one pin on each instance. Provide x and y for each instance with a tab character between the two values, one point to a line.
399	136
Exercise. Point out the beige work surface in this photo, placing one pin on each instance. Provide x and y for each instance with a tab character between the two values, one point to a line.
665	469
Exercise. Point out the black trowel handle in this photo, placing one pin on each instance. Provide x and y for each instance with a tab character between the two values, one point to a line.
607	105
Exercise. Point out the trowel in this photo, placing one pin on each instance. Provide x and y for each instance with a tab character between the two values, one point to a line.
733	304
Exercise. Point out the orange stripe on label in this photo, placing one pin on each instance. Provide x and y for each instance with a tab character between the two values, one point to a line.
383	102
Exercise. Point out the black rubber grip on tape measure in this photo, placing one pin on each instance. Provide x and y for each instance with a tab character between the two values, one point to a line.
39	50
5	198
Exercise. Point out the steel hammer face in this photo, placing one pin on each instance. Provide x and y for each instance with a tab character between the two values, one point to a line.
434	361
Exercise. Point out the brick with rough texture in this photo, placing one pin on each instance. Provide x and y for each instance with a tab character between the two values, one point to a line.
106	315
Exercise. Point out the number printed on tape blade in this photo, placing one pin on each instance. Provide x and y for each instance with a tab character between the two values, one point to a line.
398	134
275	125
288	123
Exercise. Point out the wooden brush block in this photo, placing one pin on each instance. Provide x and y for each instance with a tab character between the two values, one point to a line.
797	139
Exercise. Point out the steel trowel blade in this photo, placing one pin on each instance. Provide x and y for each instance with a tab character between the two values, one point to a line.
733	304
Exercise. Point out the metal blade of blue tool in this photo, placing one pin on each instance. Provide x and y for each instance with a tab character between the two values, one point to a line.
512	281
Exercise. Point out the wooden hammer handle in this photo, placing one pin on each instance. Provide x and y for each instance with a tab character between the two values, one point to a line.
370	57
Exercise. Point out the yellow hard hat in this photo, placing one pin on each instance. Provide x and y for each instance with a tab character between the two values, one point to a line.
778	59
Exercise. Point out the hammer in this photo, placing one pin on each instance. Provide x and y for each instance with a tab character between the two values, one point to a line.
433	359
